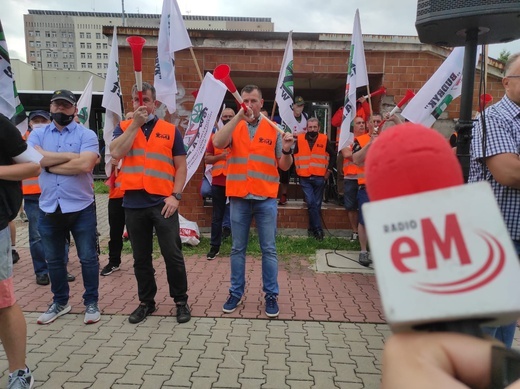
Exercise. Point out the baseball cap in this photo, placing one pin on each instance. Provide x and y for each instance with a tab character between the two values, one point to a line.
64	94
39	112
298	100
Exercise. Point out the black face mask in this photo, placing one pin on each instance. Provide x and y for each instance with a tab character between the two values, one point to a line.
62	119
312	135
226	121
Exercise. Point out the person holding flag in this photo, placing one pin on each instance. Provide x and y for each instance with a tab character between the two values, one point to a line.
153	175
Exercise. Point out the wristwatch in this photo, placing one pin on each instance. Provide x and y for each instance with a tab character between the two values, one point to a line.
178	196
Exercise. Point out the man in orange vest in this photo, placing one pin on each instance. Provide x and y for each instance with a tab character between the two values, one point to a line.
314	158
350	177
153	176
360	147
256	150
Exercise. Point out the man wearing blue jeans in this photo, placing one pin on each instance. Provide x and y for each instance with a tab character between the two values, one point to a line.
499	163
256	150
70	152
314	159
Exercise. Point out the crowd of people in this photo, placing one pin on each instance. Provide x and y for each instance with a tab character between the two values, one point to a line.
247	152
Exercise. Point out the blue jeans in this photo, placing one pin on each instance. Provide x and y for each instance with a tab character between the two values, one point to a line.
54	229
32	210
505	333
313	187
227	218
265	213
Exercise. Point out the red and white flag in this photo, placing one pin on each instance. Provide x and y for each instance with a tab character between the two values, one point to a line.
111	101
357	76
172	37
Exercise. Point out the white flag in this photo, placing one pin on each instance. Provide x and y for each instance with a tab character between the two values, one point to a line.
284	96
84	103
202	120
172	37
443	87
111	101
10	105
357	76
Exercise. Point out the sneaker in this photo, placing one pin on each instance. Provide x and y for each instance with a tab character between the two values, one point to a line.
226	233
364	260
271	306
92	314
183	313
109	269
140	313
354	237
213	252
23	217
283	200
231	304
42	279
55	310
70	277
16	256
20	379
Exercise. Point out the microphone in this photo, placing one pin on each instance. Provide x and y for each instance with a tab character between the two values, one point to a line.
442	254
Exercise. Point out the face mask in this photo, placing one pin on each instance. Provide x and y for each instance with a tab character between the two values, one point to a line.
312	135
38	125
226	121
150	117
62	119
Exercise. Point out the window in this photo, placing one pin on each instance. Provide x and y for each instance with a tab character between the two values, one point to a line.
47	44
65	54
38	44
49	64
38	54
89	65
98	46
71	55
100	66
89	45
105	55
49	54
63	34
82	55
98	55
31	33
105	46
54	54
98	35
64	45
71	65
54	44
89	55
82	35
32	54
82	45
56	65
39	64
65	65
83	65
71	45
47	34
70	34
53	34
31	43
89	35
33	64
37	33
105	65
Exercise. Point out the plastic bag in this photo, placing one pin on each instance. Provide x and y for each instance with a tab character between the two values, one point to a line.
205	188
188	231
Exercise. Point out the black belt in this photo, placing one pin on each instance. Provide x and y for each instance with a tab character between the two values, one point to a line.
362	186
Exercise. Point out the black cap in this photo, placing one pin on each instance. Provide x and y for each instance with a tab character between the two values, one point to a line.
298	100
39	112
64	94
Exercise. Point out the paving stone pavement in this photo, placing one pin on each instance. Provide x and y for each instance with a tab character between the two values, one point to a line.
330	333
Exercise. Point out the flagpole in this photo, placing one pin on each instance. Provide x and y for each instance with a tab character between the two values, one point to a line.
272	112
196	64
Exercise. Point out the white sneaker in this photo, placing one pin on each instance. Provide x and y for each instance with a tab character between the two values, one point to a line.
55	310
92	314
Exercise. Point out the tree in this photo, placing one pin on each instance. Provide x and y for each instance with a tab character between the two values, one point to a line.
504	56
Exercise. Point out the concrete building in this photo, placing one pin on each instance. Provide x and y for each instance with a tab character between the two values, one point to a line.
71	40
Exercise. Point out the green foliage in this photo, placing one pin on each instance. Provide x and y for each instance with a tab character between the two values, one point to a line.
504	56
100	187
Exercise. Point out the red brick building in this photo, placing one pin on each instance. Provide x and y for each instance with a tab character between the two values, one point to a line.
320	65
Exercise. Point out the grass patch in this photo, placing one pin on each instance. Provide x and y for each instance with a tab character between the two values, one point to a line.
100	187
286	246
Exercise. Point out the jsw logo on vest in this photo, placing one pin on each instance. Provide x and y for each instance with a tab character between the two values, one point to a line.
418	258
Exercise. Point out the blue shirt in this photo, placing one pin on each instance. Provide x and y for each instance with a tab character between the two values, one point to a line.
503	136
72	193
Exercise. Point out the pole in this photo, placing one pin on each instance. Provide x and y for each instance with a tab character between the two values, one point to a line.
196	63
41	66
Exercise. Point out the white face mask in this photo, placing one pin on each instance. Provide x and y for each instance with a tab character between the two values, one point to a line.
150	117
38	125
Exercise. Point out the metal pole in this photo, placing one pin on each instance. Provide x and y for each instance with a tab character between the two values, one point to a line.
41	65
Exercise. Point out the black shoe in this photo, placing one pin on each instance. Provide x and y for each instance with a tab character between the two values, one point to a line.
70	277
140	313
213	252
319	235
16	256
109	269
226	233
43	279
183	313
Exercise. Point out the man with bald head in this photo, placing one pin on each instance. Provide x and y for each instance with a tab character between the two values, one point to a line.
499	163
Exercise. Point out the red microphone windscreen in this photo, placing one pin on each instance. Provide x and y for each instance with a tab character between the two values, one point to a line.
408	159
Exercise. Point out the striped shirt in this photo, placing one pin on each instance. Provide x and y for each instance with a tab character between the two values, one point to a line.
503	136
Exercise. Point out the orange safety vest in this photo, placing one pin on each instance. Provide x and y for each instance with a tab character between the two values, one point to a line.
30	185
311	162
219	167
149	164
116	192
350	169
252	164
363	141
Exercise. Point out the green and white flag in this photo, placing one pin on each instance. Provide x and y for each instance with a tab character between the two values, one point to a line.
10	105
357	76
84	103
111	101
284	95
439	91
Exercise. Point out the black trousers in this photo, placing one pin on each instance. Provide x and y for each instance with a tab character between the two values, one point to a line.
116	221
218	200
140	224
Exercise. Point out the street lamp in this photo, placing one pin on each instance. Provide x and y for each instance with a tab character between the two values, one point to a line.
41	62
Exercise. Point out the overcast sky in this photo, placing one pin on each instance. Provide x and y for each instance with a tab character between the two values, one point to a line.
380	17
